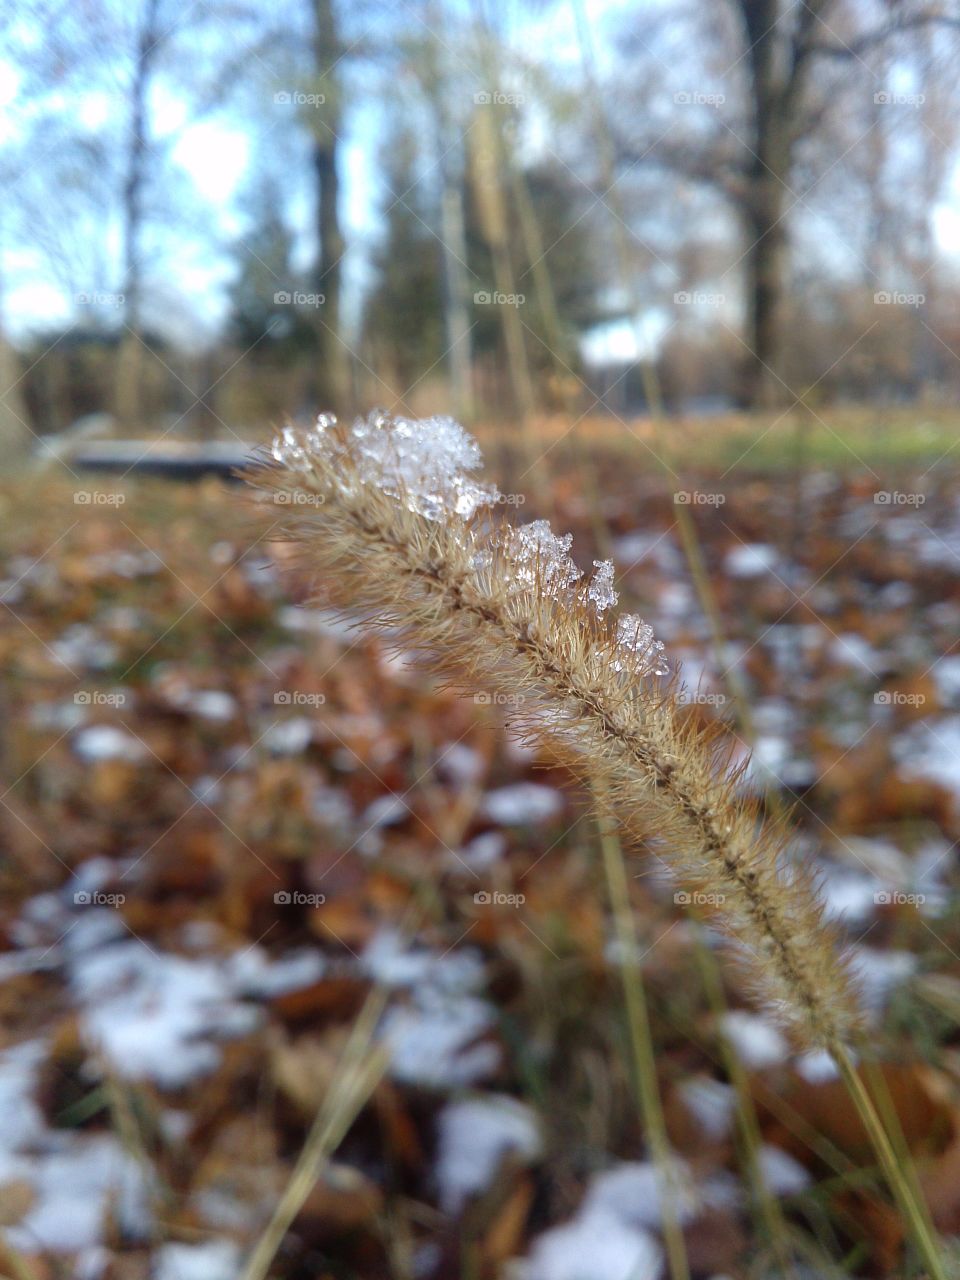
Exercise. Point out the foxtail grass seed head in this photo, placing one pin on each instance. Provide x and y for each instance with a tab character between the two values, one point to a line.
390	514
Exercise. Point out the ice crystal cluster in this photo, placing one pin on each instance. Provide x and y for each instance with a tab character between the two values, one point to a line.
426	465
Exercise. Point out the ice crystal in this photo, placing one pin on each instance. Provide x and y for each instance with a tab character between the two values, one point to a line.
600	590
543	557
638	650
423	463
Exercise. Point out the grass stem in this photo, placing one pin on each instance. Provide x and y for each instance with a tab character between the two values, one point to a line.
904	1189
642	1045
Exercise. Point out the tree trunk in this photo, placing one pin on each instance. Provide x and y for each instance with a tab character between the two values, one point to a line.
764	289
332	379
763	201
456	311
16	434
128	400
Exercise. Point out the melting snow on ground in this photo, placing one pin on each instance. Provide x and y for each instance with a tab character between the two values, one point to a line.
751	559
212	1260
610	1238
476	1135
522	804
758	1042
108	742
157	1015
435	1039
783	1175
74	1178
932	750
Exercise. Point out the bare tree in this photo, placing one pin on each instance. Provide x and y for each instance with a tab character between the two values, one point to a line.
793	64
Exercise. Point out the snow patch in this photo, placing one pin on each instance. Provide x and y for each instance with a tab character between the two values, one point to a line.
212	1260
522	804
751	559
106	742
757	1041
475	1137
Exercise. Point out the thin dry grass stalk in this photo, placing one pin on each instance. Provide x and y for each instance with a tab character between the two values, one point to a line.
390	517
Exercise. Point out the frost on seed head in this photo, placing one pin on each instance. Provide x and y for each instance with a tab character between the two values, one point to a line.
543	557
600	590
424	464
638	652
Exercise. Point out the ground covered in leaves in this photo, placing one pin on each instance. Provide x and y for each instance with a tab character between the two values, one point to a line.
228	815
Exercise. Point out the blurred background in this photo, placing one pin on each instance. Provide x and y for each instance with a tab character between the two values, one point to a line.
307	968
216	216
